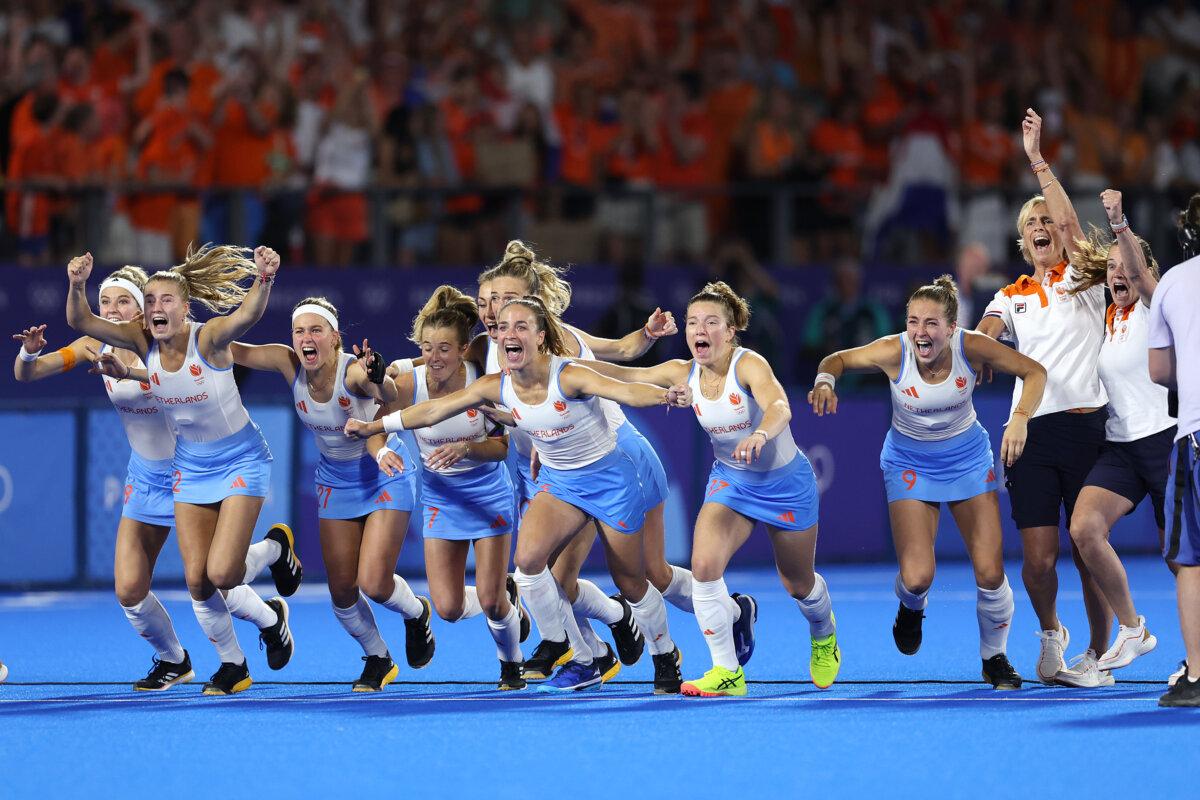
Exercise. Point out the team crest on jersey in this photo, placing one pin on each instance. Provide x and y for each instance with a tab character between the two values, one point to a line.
344	401
560	407
197	374
1019	307
472	413
735	398
1061	291
961	383
1123	334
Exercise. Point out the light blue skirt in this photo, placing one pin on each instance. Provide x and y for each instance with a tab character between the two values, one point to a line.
472	505
148	495
957	468
649	467
609	490
208	472
354	489
784	498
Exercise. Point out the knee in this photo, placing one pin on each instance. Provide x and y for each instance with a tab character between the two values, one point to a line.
343	595
447	609
530	563
660	575
226	577
1039	563
1087	531
198	585
707	569
989	577
917	579
379	589
131	592
799	588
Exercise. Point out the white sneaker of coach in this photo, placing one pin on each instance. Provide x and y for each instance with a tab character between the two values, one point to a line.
1130	643
1054	646
1084	673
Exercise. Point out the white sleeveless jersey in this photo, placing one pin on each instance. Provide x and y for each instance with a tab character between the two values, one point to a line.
145	425
612	410
933	412
469	426
735	415
201	402
569	433
518	439
327	421
1137	406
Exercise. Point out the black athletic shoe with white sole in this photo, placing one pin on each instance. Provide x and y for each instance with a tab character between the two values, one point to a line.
278	637
378	672
165	674
286	571
1184	693
510	676
547	656
418	637
514	597
628	637
229	679
667	678
906	630
1000	674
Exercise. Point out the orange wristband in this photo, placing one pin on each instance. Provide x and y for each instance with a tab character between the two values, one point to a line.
68	357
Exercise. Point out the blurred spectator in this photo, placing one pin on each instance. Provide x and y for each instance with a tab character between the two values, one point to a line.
977	283
733	261
845	318
33	160
686	137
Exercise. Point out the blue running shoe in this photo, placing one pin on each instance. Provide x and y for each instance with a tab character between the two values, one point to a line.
572	677
743	629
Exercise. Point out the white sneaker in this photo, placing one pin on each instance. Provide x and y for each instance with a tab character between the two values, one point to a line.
1177	674
1084	673
1050	661
1129	644
4	673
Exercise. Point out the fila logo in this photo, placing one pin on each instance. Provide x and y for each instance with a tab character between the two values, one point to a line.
735	398
1019	307
344	401
560	406
960	382
195	370
472	413
787	516
154	379
384	497
303	406
516	414
238	483
911	392
145	387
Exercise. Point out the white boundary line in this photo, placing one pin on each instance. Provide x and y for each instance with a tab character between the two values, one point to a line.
594	697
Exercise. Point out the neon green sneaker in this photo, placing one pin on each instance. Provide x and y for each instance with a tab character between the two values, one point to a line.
826	659
717	682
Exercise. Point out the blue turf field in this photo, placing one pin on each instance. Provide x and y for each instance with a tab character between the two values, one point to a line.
875	732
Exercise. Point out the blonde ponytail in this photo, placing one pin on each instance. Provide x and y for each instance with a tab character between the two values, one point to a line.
542	280
447	307
212	276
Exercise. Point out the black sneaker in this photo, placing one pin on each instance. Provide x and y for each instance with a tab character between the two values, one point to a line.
418	637
229	679
627	635
607	664
514	597
743	629
278	637
510	676
1184	694
1000	674
165	674
377	673
667	678
287	571
906	630
546	656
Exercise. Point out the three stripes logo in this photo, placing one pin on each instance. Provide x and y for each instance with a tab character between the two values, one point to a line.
516	414
238	483
500	522
108	386
991	476
696	408
911	392
154	379
384	497
303	406
787	516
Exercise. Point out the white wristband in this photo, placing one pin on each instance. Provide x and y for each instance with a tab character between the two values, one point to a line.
403	365
824	377
29	356
383	451
393	423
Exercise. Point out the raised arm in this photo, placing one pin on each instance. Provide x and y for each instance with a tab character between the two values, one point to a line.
431	412
367	376
1057	202
220	332
634	344
1136	269
580	381
267	358
756	374
665	374
881	354
30	365
126	335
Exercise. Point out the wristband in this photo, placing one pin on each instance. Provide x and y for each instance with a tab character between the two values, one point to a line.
1049	183
28	357
266	280
1020	411
824	377
383	451
68	357
1118	227
646	332
393	423
762	433
403	365
1037	164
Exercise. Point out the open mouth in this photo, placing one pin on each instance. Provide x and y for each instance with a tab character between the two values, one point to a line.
924	346
158	323
308	354
513	351
113	317
1041	243
1120	291
490	327
702	348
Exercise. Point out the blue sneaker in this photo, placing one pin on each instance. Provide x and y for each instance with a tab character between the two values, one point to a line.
743	629
572	677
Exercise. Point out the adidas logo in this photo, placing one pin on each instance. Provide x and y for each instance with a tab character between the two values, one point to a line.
384	497
787	516
709	632
500	522
238	483
911	392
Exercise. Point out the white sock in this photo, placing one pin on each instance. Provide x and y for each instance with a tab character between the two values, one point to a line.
244	603
554	618
716	621
359	622
471	607
913	602
507	633
595	604
259	556
153	623
594	642
214	619
651	615
818	610
679	592
403	601
994	610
